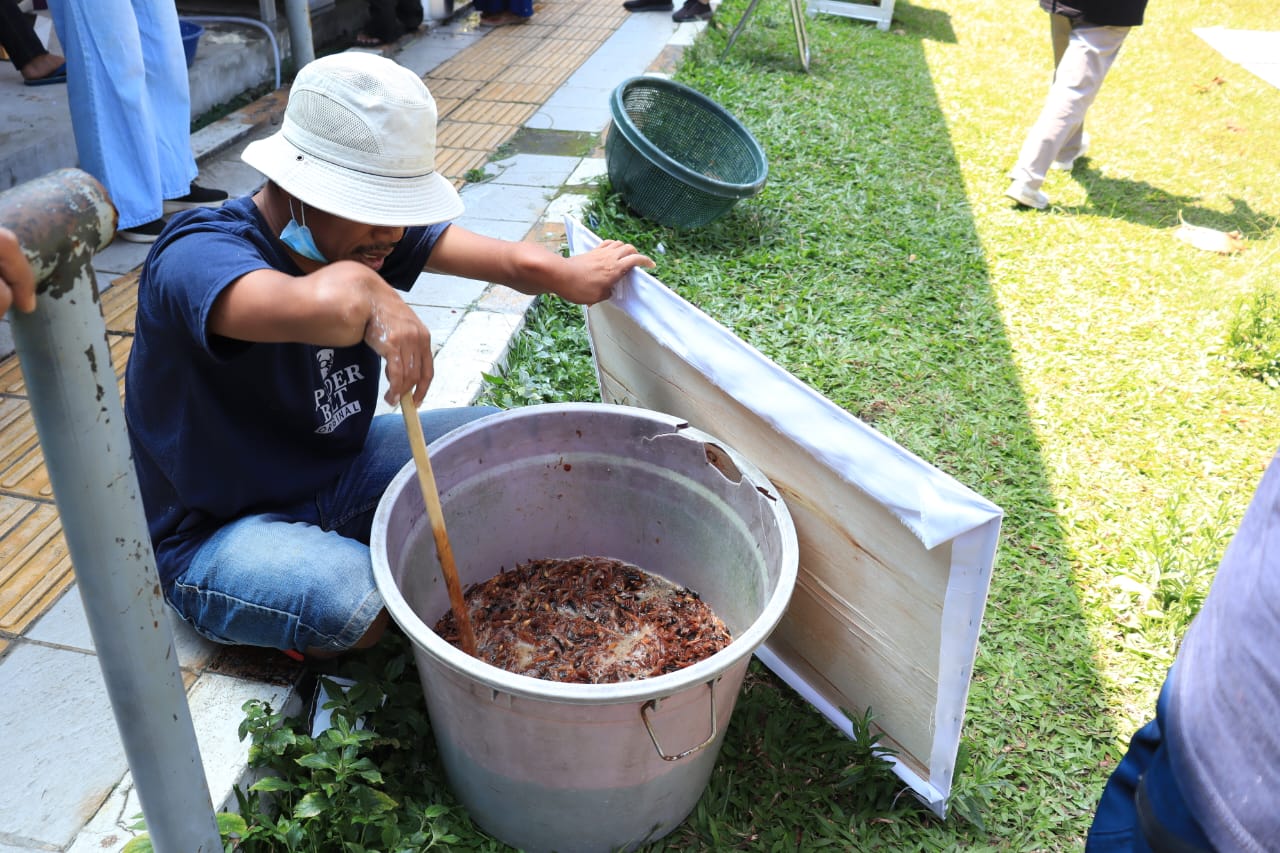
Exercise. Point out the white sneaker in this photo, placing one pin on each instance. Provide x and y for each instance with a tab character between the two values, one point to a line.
1023	194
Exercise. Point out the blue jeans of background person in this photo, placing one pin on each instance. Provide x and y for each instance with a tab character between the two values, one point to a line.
130	100
1117	823
523	8
302	577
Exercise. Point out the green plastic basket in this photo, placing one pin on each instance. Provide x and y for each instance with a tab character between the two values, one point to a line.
677	157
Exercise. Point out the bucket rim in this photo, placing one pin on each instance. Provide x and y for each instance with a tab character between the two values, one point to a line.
705	671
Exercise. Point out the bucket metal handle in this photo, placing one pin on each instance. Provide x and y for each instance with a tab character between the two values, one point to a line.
652	705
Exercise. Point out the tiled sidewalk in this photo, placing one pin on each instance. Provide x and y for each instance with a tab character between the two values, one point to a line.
518	91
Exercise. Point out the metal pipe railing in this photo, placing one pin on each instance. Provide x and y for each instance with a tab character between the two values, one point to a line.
61	220
301	43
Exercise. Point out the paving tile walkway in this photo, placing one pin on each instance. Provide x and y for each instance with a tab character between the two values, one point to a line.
514	92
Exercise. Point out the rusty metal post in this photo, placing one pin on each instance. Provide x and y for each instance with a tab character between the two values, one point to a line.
61	220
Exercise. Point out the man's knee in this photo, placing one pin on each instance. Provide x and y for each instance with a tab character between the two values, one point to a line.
367	640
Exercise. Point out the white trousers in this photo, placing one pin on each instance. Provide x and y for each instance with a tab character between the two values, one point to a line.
1083	53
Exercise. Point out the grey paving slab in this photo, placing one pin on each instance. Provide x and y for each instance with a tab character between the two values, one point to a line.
34	126
103	279
228	172
216	711
506	202
502	229
54	701
582	103
626	53
120	257
439	45
66	625
440	320
531	170
589	171
479	346
504	300
448	291
567	204
594	95
582	119
216	702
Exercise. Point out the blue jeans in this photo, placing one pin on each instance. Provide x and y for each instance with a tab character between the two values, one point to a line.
130	100
523	8
1117	823
301	577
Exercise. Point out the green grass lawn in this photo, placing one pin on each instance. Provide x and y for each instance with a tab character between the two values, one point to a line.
1071	365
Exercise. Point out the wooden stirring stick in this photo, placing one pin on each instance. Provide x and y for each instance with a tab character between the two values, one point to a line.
430	496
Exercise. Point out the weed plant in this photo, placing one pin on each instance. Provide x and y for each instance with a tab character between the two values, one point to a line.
1079	367
1253	338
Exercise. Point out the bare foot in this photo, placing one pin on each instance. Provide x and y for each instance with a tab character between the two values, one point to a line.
42	66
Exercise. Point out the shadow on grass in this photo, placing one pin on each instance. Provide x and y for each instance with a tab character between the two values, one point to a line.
860	270
1144	204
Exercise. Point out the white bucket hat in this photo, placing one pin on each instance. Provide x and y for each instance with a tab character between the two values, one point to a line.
359	141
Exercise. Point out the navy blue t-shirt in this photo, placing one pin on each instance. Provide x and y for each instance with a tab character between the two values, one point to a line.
219	427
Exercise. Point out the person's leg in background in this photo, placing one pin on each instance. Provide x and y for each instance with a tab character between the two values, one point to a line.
496	13
168	93
27	53
115	131
1089	53
382	26
1076	144
131	108
410	14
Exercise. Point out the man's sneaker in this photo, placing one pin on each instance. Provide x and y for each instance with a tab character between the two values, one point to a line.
648	5
198	197
1023	194
147	232
692	10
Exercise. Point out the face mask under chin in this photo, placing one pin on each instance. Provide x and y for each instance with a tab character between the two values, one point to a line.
299	238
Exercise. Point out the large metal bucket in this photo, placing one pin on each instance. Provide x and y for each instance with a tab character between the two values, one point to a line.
546	766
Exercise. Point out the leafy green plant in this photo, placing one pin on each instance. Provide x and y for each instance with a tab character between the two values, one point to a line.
550	361
1253	337
231	828
330	792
